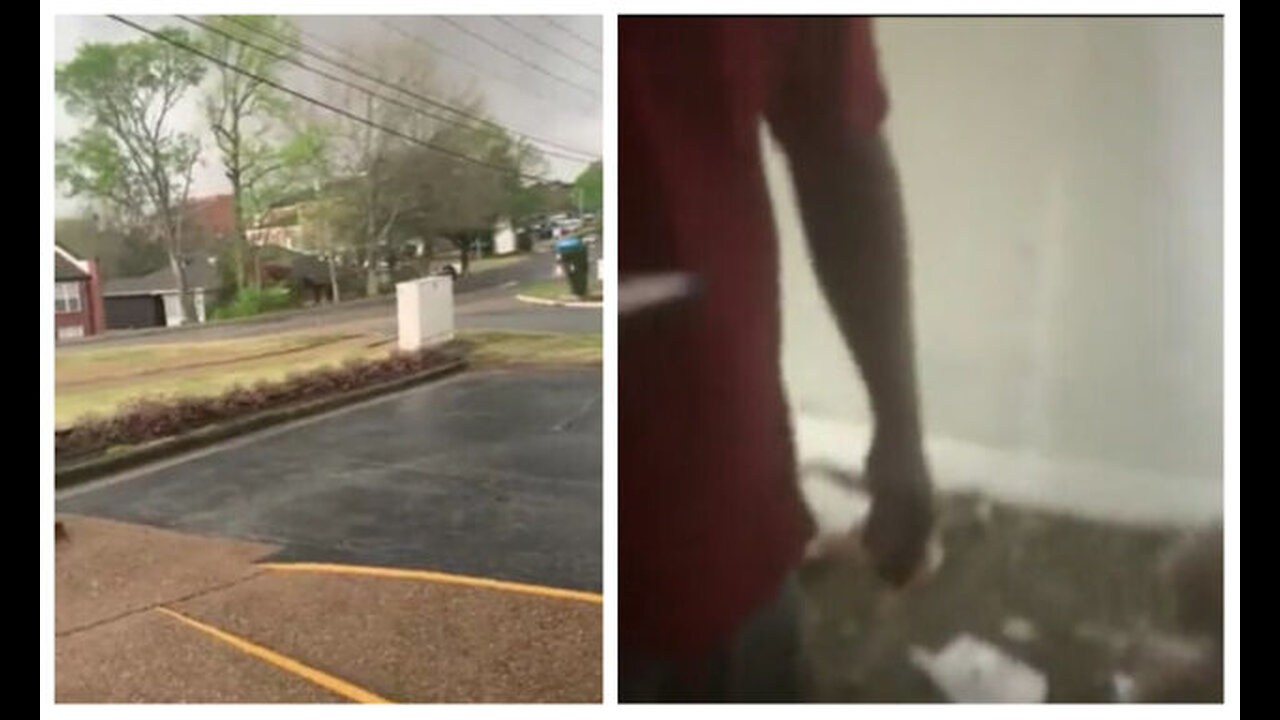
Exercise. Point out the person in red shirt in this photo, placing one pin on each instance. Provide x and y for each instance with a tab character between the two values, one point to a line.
711	522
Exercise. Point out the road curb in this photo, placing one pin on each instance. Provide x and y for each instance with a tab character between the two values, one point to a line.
82	472
558	303
263	318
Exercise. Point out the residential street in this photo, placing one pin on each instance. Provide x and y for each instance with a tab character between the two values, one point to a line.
484	301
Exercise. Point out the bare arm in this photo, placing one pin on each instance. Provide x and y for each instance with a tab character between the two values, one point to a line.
852	212
853	218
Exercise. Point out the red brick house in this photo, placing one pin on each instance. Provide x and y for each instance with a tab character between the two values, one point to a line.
78	308
210	222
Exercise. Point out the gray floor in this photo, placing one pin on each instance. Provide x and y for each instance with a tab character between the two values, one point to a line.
495	474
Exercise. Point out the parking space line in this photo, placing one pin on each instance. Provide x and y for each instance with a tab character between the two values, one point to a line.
440	577
306	672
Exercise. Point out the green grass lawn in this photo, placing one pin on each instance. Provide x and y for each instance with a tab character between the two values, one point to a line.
558	289
493	263
508	348
101	381
77	366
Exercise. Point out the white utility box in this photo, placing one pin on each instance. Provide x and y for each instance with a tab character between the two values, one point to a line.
504	239
424	312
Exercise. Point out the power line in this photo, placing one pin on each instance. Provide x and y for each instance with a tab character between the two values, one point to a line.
523	87
569	31
406	91
320	103
347	53
547	45
513	56
577	155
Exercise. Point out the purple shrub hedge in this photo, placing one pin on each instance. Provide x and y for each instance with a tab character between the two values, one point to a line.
151	419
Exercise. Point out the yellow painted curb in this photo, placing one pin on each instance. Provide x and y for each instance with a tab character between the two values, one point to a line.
433	576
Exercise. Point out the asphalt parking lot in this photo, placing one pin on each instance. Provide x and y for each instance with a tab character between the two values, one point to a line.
494	474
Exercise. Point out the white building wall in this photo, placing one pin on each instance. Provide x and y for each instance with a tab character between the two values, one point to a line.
1063	188
172	309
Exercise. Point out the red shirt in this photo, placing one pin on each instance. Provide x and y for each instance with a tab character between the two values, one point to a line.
710	515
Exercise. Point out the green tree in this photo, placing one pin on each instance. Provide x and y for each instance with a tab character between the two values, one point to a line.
467	198
265	153
323	220
588	187
393	190
556	197
372	198
129	156
409	191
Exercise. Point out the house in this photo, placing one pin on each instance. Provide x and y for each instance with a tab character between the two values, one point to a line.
301	223
209	222
306	275
280	226
77	303
152	300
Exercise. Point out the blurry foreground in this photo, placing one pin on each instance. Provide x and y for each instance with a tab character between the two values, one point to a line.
1084	605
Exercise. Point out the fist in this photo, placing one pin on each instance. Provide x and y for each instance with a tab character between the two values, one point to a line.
897	532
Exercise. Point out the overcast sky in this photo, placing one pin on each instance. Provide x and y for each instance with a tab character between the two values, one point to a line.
548	87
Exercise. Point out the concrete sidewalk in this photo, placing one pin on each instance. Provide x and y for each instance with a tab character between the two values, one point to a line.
147	615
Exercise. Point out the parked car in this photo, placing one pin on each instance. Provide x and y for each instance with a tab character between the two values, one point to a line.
449	268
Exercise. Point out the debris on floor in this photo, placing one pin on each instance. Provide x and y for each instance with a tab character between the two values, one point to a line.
970	670
1069	597
1125	687
1174	669
1018	629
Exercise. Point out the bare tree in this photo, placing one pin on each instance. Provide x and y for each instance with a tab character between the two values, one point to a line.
385	200
130	157
248	116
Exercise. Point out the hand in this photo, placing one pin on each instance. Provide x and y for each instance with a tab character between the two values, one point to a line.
897	532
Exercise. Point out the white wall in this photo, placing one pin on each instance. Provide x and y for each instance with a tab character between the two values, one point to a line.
172	309
1063	186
